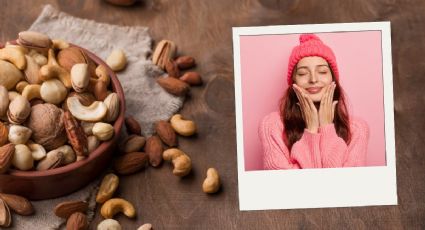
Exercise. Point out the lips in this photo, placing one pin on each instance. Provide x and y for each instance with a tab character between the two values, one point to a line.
314	90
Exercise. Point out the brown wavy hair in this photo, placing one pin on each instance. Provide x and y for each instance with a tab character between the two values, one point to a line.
294	123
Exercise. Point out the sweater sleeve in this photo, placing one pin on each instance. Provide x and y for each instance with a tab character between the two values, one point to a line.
275	152
336	153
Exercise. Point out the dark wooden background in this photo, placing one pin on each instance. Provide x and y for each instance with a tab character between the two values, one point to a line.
202	29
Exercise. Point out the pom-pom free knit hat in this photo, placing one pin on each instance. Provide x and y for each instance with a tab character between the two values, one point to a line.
311	45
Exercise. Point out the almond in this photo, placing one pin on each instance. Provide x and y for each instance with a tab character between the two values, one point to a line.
166	133
173	85
185	62
132	143
18	204
191	78
6	156
172	69
133	126
131	163
5	217
77	221
4	133
154	150
100	90
66	209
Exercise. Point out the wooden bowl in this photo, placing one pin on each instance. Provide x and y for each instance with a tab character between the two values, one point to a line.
38	185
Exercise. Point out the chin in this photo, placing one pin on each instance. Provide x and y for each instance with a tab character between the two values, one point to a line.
316	98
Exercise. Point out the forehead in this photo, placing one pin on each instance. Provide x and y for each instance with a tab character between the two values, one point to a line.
312	61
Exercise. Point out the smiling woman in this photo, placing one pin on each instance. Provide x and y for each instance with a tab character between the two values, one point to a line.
313	128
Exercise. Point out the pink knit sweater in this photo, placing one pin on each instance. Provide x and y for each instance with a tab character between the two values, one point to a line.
324	149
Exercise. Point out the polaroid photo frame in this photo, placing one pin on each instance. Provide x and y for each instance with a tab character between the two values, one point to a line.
260	67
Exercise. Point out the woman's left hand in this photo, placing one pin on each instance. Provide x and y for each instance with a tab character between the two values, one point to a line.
327	106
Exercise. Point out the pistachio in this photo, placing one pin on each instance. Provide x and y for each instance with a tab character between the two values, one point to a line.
52	160
164	51
34	40
69	155
80	77
19	110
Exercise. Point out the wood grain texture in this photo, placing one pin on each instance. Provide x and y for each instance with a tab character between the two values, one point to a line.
202	29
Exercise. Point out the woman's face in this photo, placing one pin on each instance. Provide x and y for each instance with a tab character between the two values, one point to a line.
313	75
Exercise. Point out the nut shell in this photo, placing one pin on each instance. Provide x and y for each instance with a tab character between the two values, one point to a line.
47	125
19	110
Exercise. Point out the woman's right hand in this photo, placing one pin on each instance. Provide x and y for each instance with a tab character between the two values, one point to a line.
308	110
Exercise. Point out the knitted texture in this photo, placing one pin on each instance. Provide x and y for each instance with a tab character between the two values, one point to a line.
324	149
311	45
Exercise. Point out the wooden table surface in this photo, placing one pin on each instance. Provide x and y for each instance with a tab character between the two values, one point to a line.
202	29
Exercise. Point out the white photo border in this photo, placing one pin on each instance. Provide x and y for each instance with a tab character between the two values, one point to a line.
318	188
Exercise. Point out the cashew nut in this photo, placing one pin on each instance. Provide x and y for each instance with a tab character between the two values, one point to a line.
15	56
20	86
182	127
109	224
20	48
54	70
181	161
107	188
212	182
95	112
9	75
59	44
31	91
145	227
115	205
116	60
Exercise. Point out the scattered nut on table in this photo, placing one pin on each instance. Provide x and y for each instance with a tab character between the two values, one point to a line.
181	126
116	205
107	188
181	161
212	182
109	224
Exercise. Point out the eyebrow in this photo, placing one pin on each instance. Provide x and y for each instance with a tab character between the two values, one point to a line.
300	67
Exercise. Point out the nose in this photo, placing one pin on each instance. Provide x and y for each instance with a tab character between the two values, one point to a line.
313	78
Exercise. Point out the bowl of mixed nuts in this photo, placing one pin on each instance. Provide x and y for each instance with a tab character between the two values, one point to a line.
61	110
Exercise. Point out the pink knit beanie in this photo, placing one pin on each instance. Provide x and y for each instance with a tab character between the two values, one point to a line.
311	45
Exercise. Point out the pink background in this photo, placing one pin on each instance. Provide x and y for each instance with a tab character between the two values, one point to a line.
264	60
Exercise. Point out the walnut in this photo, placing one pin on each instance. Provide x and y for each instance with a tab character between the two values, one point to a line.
46	122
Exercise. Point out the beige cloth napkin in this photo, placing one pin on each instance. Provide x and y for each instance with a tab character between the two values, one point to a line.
145	99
